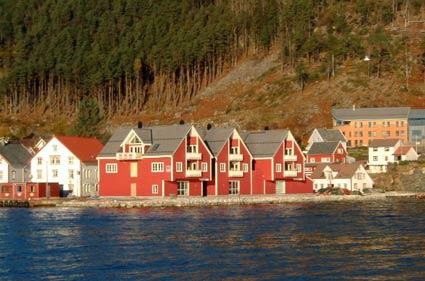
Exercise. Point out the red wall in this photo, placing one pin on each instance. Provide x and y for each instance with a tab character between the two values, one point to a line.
293	187
117	184
260	174
147	179
39	191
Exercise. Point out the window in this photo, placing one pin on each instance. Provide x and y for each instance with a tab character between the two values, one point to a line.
204	167
183	188
1	175
234	166
136	149
55	148
39	174
111	168
345	185
375	149
13	175
326	160
70	160
32	189
375	158
39	160
70	174
387	149
55	160
298	167
222	167
234	150
312	160
133	169
19	189
386	158
245	167
192	148
234	187
155	189
55	173
278	168
157	167
289	151
179	166
339	151
355	185
402	123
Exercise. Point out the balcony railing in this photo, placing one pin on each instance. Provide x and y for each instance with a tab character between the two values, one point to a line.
290	157
235	173
290	173
193	156
129	156
235	157
193	173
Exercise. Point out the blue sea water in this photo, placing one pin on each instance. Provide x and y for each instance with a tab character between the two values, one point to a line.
382	240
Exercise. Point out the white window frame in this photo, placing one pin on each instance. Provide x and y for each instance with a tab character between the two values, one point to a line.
179	166
234	187
204	167
299	168
278	168
111	168
55	173
157	167
39	160
245	167
155	189
39	173
70	174
222	167
70	160
1	175
183	188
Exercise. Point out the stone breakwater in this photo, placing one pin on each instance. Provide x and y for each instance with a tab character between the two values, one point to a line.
209	201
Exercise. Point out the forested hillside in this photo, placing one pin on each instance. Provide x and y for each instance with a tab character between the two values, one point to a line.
134	56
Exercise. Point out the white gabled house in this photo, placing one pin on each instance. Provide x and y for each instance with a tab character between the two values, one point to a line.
381	153
406	153
351	176
69	161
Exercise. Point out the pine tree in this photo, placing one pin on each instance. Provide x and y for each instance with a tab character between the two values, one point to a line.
89	119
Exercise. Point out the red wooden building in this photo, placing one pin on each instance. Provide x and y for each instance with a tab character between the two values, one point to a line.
278	163
29	191
232	163
155	161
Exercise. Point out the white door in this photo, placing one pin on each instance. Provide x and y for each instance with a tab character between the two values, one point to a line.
133	169
280	187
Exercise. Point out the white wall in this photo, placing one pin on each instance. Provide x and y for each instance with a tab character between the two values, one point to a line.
4	168
63	168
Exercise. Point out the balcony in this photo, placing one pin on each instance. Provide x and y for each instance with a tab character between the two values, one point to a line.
235	157
193	156
193	173
290	173
290	157
129	156
235	173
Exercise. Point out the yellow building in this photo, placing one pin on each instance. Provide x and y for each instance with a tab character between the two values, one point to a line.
361	125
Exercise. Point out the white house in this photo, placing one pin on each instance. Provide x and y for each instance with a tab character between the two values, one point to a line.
381	152
406	153
326	135
69	161
351	176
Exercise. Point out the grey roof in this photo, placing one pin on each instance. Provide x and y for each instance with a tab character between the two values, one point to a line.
215	138
371	113
264	143
331	135
383	143
16	154
327	147
164	139
343	170
417	117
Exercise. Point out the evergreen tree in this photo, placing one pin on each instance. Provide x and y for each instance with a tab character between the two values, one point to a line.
89	119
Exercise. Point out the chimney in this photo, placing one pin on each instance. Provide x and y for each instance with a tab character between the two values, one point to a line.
181	122
354	107
209	126
140	124
266	128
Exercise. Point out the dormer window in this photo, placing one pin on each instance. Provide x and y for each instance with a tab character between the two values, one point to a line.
136	149
289	151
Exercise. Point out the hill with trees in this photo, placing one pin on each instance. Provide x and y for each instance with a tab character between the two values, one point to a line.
151	59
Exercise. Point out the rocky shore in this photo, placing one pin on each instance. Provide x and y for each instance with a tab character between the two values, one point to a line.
210	201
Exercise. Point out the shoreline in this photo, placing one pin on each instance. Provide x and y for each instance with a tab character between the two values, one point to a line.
211	201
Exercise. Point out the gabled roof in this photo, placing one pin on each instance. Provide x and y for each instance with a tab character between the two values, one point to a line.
383	143
371	113
343	170
331	135
164	140
16	154
264	143
215	138
327	147
402	150
85	149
